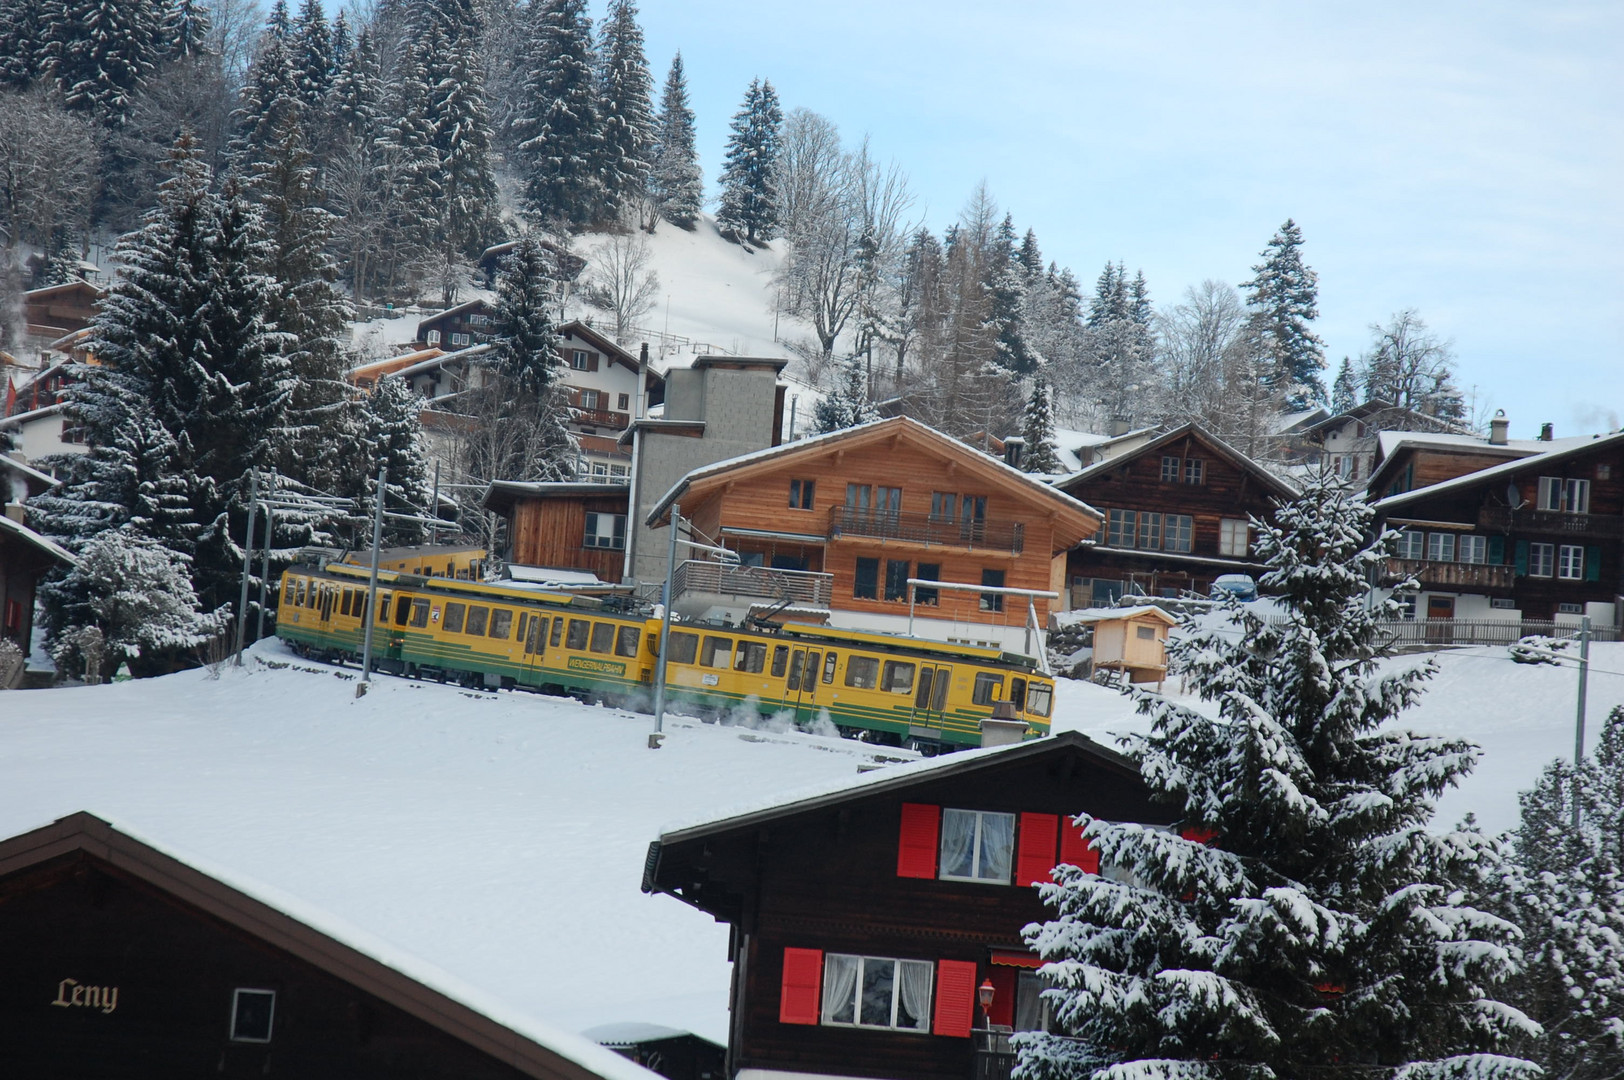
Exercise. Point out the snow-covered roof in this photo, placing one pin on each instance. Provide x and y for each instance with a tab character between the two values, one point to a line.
1508	468
17	420
1088	615
1280	485
29	536
633	1034
27	471
1388	442
1288	422
548	575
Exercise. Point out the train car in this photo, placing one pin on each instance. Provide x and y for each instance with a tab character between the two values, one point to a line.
898	690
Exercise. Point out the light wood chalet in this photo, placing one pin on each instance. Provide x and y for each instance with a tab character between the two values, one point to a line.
564	526
1177	511
855	514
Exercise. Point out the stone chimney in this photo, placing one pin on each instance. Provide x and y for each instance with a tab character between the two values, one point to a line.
1014	451
1117	426
1546	432
1003	727
1498	427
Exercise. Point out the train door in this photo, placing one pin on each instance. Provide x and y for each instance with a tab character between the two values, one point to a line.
930	694
534	634
802	685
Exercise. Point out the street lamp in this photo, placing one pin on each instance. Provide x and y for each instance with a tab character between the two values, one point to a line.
984	994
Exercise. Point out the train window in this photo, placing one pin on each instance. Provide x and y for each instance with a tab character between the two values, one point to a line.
795	663
682	649
310	595
1017	693
558	632
538	634
829	668
938	693
403	606
780	660
626	640
361	606
344	602
986	690
477	618
298	600
383	607
1039	698
579	628
717	652
862	672
752	657
420	613
501	624
289	591
898	677
453	617
603	637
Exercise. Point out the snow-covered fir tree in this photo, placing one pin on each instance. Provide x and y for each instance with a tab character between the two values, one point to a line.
271	94
184	31
1568	894
525	342
676	184
1006	302
749	209
391	435
312	57
61	263
848	404
1119	350
357	89
1302	921
558	131
1284	298
1037	428
412	173
626	111
1345	391
462	140
23	42
101	53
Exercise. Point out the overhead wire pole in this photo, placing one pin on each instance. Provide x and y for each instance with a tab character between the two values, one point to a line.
371	618
265	560
658	734
247	564
1579	723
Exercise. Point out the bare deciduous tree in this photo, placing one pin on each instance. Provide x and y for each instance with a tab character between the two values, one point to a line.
620	282
48	169
1411	367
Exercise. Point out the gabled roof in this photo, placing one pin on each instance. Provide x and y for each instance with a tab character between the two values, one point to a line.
33	539
76	285
264	916
606	345
1094	615
1503	470
1286	423
1279	487
1390	443
1085	518
502	494
37	481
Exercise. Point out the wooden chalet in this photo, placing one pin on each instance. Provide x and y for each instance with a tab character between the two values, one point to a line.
1176	516
58	310
864	920
843	521
123	960
1407	460
1537	538
25	555
564	526
1346	444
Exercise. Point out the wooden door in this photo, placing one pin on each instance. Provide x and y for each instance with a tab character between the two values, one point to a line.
1440	609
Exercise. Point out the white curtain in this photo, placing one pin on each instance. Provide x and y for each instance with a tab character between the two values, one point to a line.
958	842
997	846
915	994
839	988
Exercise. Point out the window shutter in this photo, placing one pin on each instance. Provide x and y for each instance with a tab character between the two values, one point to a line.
1199	834
592	361
1034	857
916	845
1592	564
1077	851
955	998
799	1003
1522	558
1497	550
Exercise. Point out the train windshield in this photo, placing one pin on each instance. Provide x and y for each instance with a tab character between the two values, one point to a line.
1039	698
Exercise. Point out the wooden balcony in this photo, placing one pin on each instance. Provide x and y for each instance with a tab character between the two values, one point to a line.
797	586
1550	521
1006	536
1450	575
603	418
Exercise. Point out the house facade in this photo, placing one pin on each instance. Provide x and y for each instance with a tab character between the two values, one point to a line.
864	921
1407	460
25	555
1177	512
1346	444
1537	538
564	526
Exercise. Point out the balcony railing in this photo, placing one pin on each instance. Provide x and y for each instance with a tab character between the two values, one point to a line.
1451	574
601	418
1550	521
796	586
1007	536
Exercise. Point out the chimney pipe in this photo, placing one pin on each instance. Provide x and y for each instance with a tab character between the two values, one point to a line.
1545	432
1014	451
1498	427
642	382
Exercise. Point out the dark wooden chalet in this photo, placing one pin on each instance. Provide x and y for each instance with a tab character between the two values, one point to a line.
1535	538
123	961
1176	517
25	555
564	526
1407	460
864	920
57	310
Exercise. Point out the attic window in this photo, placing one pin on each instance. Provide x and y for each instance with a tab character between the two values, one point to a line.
251	1014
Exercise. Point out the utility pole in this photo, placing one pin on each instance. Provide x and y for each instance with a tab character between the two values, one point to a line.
658	736
434	505
265	557
247	564
1579	725
372	585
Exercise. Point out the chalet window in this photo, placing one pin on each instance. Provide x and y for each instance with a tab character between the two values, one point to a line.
717	653
459	339
1503	603
1194	471
501	624
433	337
579	360
1570	609
896	579
1150	530
1179	529
479	320
626	641
1039	698
1541	559
973	509
1440	547
1604	471
888	500
1170	470
682	648
1570	562
1566	496
897	678
866	582
927	571
801	493
1120	530
1412	544
859	498
986	688
623	402
1474	549
579	629
251	1014
1234	537
603	637
992	601
862	672
942	505
1405	606
976	846
605	531
877	992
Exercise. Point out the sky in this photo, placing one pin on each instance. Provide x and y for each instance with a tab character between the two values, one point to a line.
1462	159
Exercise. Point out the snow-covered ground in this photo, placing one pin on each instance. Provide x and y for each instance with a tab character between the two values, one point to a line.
494	843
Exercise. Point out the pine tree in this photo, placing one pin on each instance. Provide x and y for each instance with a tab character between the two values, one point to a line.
184	33
1006	294
848	404
525	343
61	259
101	52
391	431
1283	297
413	175
1345	391
462	141
1302	919
1038	430
626	108
677	184
357	90
1568	894
558	130
23	41
271	95
749	201
312	57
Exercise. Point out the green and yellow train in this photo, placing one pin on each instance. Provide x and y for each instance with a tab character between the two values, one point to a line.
898	690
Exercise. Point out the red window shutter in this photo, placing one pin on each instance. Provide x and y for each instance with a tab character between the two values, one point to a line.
1199	834
916	845
1034	857
800	1002
955	998
1077	851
